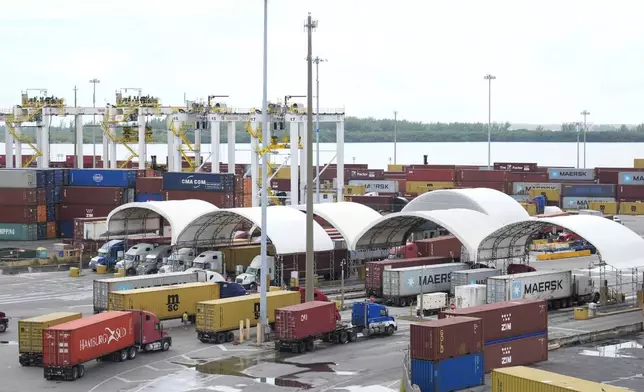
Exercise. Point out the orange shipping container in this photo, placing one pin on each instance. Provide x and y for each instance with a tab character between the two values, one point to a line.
51	230
41	214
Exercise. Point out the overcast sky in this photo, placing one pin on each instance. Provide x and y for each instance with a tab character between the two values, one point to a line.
424	58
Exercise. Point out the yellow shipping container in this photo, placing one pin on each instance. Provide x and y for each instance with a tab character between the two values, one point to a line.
283	174
30	333
426	186
550	194
631	208
355	190
241	255
531	208
638	163
608	208
521	378
216	319
167	302
397	168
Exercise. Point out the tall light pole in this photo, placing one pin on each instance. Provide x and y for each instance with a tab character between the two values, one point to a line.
317	62
577	126
94	81
585	113
489	79
310	25
395	133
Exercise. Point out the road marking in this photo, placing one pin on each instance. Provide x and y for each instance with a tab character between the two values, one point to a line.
154	381
568	329
224	348
153	368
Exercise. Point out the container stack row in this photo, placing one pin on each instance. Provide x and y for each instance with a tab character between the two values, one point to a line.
224	190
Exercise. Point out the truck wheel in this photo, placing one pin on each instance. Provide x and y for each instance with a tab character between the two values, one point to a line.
130	272
221	338
344	337
302	346
3	327
230	336
23	361
403	302
81	371
390	330
278	345
353	336
295	348
310	345
131	353
165	346
252	287
74	374
123	356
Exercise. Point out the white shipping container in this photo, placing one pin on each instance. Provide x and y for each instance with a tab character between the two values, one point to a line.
380	186
405	282
472	276
470	295
432	301
523	188
94	230
530	285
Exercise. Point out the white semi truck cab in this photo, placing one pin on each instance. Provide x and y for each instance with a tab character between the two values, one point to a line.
133	257
251	277
210	260
178	260
154	260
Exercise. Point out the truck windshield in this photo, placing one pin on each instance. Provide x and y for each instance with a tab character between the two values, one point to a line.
102	252
198	264
252	271
131	257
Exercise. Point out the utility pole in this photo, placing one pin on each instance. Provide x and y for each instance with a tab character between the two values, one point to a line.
577	126
310	25
74	128
489	79
75	91
395	133
585	113
94	81
317	62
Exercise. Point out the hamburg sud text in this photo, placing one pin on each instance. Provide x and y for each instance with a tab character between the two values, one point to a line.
109	336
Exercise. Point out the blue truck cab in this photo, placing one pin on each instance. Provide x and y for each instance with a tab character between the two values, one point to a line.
108	254
373	319
231	289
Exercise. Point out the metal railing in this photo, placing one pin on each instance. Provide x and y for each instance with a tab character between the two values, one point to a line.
406	380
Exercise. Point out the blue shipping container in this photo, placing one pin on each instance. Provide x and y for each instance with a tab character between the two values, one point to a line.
213	182
141	197
103	177
41	231
448	375
590	190
51	212
66	229
41	178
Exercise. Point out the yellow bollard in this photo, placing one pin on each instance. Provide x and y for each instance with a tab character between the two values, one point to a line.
241	331
74	272
259	333
581	313
248	329
101	269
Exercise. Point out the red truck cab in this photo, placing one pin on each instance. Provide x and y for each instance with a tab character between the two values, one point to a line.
150	333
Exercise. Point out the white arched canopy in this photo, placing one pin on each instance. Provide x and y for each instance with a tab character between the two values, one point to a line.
470	227
488	201
617	245
347	217
286	229
144	217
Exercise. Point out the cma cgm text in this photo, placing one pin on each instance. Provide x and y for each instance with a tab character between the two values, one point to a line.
192	181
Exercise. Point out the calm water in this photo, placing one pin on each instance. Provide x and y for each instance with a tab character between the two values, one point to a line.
378	155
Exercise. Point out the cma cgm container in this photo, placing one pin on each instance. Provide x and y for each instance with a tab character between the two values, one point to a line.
211	182
401	286
16	178
525	350
374	269
449	375
99	195
447	246
588	190
30	336
167	302
309	319
521	378
505	320
447	338
18	232
103	177
216	320
472	276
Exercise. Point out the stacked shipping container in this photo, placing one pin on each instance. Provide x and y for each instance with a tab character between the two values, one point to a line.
220	189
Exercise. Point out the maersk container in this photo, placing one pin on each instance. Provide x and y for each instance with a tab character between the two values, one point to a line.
522	378
448	375
213	182
18	178
472	276
403	285
118	178
18	232
470	295
588	190
544	285
582	203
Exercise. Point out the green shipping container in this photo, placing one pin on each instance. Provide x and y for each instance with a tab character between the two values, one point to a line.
18	232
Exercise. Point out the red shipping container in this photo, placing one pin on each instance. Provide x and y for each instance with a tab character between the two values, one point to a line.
635	192
464	175
149	185
71	211
446	175
378	203
305	320
395	175
282	184
499	186
502	320
515	166
218	199
430	167
446	338
519	352
239	184
444	246
19	214
361	174
19	196
99	195
607	177
527	177
374	270
87	338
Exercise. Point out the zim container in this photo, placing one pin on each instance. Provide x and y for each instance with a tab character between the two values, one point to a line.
449	375
374	270
30	330
445	246
218	199
19	196
521	378
99	195
18	232
505	320
300	321
516	352
120	178
446	338
19	214
71	211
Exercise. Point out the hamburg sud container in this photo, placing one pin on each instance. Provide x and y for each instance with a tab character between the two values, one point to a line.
546	285
525	350
30	337
373	270
447	245
16	178
521	378
120	178
310	319
401	286
449	375
446	338
505	320
472	276
211	182
588	190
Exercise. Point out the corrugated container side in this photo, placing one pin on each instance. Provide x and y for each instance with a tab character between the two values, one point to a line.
17	178
66	229
396	282
99	195
499	186
71	211
516	352
542	284
119	178
303	320
521	378
218	199
515	166
381	186
527	177
18	232
472	276
504	320
482	175
588	190
373	270
19	214
149	185
582	203
446	338
19	196
635	192
449	375
523	188
208	182
30	330
445	246
444	175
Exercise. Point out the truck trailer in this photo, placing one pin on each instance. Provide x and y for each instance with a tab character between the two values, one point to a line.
374	270
30	335
114	336
401	286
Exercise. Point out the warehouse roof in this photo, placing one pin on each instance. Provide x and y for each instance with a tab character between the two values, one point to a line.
347	217
618	245
469	226
488	201
135	218
286	228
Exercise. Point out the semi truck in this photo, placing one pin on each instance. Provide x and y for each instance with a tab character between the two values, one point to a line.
471	276
251	277
560	288
115	336
108	254
401	286
154	260
135	255
178	261
4	321
30	335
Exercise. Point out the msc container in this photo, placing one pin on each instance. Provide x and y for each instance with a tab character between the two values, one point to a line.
582	203
218	199
120	178
401	286
633	192
470	295
465	175
631	178
99	195
546	285
309	319
588	190
19	196
217	319
72	211
516	352
472	276
30	337
19	214
520	378
381	186
374	269
445	246
446	338
505	320
211	182
17	178
449	375
18	232
444	175
523	188
167	302
149	185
